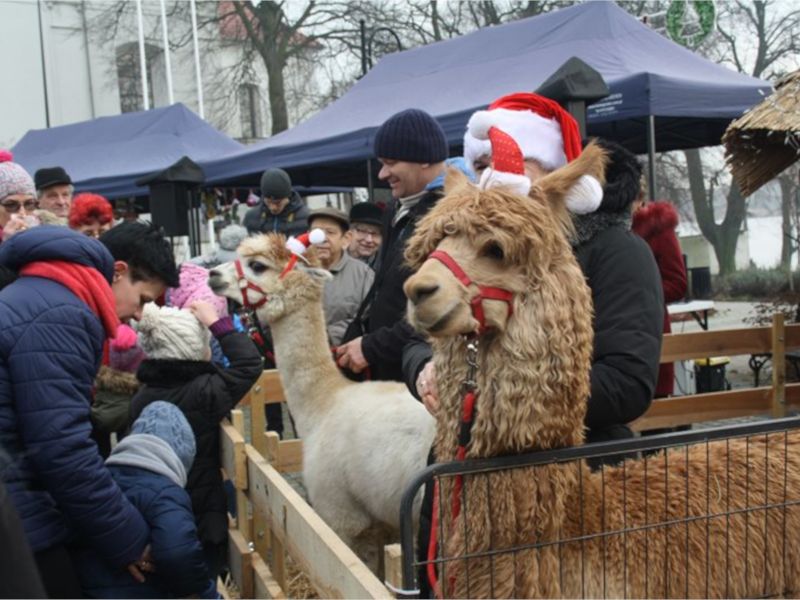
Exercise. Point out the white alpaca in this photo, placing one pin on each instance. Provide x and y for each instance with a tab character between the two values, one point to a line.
362	442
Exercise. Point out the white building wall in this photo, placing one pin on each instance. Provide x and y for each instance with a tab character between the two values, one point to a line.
82	78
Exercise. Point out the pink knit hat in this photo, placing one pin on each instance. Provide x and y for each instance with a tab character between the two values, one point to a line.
194	286
13	178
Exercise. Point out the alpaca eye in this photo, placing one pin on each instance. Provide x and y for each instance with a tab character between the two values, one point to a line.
494	251
257	267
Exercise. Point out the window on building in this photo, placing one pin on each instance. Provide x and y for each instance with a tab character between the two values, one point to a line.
129	76
250	111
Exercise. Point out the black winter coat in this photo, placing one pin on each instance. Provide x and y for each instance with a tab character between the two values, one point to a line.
293	220
205	393
628	318
386	328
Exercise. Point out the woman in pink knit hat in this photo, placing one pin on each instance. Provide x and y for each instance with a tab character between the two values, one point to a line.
17	197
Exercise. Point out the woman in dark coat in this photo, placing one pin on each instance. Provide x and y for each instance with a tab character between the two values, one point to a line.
178	370
655	223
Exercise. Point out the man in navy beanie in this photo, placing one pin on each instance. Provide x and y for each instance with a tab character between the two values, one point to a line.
411	147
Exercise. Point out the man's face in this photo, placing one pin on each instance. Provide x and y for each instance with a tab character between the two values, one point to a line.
329	251
94	228
405	178
57	199
129	296
365	240
276	205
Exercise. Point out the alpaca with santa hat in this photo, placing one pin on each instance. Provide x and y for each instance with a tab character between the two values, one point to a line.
618	265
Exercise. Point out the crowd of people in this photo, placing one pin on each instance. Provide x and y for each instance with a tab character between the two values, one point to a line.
101	332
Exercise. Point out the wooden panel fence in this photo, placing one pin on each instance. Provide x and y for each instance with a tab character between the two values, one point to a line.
273	520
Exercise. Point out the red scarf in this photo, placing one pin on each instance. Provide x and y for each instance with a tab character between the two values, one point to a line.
86	283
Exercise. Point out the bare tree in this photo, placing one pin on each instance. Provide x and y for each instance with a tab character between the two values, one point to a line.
774	28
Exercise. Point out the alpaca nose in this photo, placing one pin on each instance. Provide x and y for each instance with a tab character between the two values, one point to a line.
215	281
418	293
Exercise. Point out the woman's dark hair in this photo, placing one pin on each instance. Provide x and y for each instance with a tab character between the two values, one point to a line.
623	177
145	249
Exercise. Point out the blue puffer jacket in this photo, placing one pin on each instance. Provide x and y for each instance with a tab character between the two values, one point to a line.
51	345
175	548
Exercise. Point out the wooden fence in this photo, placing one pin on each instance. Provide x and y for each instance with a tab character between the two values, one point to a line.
273	519
766	400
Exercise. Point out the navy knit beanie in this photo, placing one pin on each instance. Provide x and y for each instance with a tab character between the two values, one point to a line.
411	135
166	421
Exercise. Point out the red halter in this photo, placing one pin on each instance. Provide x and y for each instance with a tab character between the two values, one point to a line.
245	284
484	292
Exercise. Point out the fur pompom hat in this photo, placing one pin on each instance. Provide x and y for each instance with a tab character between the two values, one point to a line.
623	178
171	333
194	286
166	422
231	236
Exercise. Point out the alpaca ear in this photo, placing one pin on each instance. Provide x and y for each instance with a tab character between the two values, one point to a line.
454	179
578	185
316	273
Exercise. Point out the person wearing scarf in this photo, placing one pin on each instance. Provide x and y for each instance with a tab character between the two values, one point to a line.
69	296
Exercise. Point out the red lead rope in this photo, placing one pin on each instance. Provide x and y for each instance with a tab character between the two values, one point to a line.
467	417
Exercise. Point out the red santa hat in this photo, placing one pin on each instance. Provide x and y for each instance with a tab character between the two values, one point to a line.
298	246
543	131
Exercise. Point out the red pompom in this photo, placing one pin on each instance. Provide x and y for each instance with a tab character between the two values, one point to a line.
6	156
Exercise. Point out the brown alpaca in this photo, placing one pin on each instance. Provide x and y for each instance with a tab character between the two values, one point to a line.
533	384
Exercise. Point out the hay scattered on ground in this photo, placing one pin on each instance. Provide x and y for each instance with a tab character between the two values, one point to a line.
298	582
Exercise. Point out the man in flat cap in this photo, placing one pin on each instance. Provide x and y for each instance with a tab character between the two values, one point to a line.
54	189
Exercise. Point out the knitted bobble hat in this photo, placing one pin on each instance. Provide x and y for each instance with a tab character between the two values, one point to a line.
14	179
167	422
170	333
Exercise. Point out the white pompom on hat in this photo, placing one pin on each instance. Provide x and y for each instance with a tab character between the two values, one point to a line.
171	333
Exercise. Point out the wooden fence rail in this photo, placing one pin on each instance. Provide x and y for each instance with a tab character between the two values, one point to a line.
768	400
273	520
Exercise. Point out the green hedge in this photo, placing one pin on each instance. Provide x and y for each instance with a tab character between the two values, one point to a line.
754	284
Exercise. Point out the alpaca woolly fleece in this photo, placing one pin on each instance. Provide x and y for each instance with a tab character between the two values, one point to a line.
194	286
171	333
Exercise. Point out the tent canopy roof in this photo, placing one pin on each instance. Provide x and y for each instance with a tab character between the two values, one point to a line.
693	99
106	155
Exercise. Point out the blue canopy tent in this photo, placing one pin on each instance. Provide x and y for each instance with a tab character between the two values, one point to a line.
654	82
107	155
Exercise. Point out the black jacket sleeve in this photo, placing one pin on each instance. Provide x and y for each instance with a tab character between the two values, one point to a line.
385	344
416	354
245	368
628	304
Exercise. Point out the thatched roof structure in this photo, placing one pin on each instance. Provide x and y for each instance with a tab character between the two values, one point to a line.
765	140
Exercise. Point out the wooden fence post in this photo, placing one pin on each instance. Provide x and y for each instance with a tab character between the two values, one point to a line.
778	366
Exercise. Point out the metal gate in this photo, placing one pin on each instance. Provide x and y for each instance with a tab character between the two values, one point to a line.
715	515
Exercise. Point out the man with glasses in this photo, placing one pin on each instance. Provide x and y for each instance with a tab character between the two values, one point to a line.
54	189
366	220
281	210
17	197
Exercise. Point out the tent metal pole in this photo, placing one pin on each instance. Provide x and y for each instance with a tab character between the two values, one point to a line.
651	156
370	187
201	110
